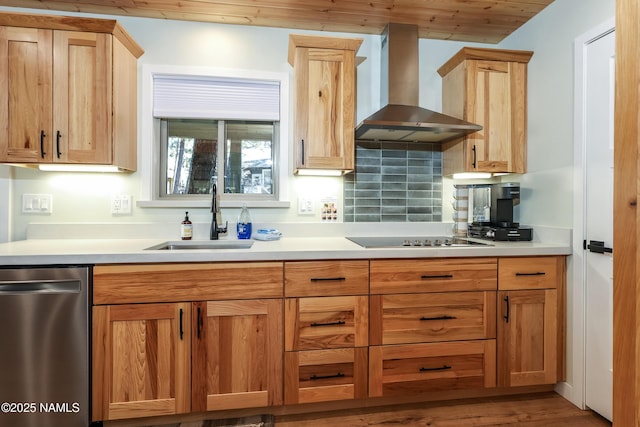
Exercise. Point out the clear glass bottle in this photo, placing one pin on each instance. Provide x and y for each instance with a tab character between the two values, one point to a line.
243	226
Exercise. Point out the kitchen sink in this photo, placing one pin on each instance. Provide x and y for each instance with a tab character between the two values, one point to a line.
180	245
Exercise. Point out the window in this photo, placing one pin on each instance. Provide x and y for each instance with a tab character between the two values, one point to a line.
222	127
191	152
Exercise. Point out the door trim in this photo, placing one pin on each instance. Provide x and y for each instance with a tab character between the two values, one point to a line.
574	389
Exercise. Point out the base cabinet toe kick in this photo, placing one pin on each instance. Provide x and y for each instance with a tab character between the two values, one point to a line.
172	340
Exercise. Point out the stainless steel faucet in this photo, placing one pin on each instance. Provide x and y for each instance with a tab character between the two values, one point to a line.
217	216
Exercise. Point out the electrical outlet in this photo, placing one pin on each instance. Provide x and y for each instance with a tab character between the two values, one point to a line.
305	206
37	203
120	204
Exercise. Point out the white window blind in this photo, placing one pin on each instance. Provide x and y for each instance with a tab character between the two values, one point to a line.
204	97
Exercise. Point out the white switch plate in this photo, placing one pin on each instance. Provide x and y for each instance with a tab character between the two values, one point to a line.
305	206
37	203
121	204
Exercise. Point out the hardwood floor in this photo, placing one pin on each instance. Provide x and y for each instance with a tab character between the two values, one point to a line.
532	410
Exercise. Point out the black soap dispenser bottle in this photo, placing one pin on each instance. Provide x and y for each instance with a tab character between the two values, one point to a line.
186	228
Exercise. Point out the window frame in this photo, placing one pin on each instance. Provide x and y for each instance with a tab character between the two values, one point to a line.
150	163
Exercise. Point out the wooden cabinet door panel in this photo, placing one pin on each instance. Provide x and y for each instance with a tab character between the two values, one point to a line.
141	360
325	91
82	95
237	354
25	95
416	318
433	275
489	85
527	343
328	322
417	368
325	375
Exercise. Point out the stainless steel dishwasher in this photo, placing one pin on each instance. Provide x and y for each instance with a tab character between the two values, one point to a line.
44	346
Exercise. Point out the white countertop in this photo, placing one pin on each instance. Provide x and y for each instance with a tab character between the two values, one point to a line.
116	251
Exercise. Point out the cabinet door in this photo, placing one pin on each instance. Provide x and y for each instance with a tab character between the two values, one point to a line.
25	95
237	354
496	94
141	365
82	97
527	337
325	96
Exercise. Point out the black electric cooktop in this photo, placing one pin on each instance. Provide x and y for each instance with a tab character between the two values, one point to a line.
415	241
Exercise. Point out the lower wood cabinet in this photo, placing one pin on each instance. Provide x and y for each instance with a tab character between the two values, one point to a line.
410	369
531	320
215	349
177	338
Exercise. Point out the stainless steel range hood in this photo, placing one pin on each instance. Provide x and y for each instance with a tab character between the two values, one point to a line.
401	119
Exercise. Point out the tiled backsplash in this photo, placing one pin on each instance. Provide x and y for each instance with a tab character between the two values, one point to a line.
399	182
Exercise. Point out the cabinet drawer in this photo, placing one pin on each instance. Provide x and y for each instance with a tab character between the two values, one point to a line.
415	368
433	275
416	318
130	283
530	272
329	322
324	278
325	375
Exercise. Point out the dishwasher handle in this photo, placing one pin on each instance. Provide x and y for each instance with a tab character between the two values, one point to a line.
40	287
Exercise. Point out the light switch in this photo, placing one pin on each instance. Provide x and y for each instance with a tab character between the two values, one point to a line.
37	203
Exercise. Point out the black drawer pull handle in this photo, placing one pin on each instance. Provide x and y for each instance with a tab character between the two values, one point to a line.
438	318
302	151
199	322
325	377
181	329
441	368
327	279
42	136
437	276
339	322
58	136
537	273
506	316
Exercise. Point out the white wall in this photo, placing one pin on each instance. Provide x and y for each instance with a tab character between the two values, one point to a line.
548	184
546	188
5	203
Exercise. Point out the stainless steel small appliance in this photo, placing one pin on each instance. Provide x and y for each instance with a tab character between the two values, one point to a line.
504	197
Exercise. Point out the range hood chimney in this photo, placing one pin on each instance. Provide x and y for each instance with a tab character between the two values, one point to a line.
401	119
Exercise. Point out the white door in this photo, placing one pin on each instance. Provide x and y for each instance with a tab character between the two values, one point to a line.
600	79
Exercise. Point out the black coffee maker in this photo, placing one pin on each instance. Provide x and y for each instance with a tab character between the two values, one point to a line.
501	226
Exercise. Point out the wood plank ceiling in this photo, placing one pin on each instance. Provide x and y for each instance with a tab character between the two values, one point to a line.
487	21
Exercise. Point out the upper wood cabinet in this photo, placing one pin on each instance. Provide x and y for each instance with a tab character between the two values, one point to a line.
324	75
67	91
487	87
